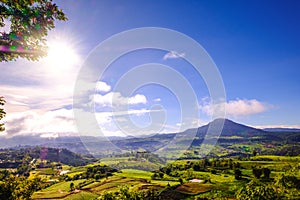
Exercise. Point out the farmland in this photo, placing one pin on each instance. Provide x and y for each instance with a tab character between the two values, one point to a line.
215	181
244	162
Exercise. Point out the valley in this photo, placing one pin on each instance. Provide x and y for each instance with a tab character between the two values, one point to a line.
245	161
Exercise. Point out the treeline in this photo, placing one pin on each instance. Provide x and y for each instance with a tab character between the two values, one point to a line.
186	170
143	155
12	158
285	150
286	186
204	165
94	172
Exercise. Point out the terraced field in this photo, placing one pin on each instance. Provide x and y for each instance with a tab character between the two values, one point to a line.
194	188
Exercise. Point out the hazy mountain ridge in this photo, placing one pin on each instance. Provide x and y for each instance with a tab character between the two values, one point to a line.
15	156
232	132
282	129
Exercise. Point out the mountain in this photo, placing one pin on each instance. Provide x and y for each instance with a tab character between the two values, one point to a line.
230	134
71	143
282	129
229	128
15	156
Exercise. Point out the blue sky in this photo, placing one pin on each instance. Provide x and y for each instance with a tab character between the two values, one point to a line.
254	44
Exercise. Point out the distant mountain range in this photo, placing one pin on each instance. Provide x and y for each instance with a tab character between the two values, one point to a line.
232	133
282	129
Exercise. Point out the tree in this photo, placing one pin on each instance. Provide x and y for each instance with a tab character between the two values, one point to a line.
97	177
288	181
72	186
206	163
30	22
257	172
2	113
23	169
238	174
4	174
124	194
266	172
196	167
108	196
17	188
289	185
254	152
180	181
255	190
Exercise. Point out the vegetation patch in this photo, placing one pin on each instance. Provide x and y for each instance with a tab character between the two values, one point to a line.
82	196
194	188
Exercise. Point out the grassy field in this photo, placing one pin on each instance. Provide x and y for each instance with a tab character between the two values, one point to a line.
82	196
277	158
221	182
135	179
57	190
134	173
111	161
72	174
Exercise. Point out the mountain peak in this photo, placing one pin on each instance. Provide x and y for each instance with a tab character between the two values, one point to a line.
221	120
230	128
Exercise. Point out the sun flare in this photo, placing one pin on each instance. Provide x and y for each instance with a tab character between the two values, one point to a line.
61	55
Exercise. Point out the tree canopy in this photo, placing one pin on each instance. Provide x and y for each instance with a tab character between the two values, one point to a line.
17	188
29	21
255	190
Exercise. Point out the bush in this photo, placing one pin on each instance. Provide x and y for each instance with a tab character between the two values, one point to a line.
255	190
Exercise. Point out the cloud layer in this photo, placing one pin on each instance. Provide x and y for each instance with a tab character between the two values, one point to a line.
40	111
237	108
116	99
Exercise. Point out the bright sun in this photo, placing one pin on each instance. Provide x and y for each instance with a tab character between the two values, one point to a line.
61	55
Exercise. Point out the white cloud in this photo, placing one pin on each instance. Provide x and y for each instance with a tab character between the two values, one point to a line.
117	123
116	99
245	107
44	97
237	107
173	55
102	87
137	99
34	86
61	122
39	122
106	100
141	112
102	115
157	100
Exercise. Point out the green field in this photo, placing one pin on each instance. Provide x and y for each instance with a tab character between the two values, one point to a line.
82	196
217	180
134	173
57	190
